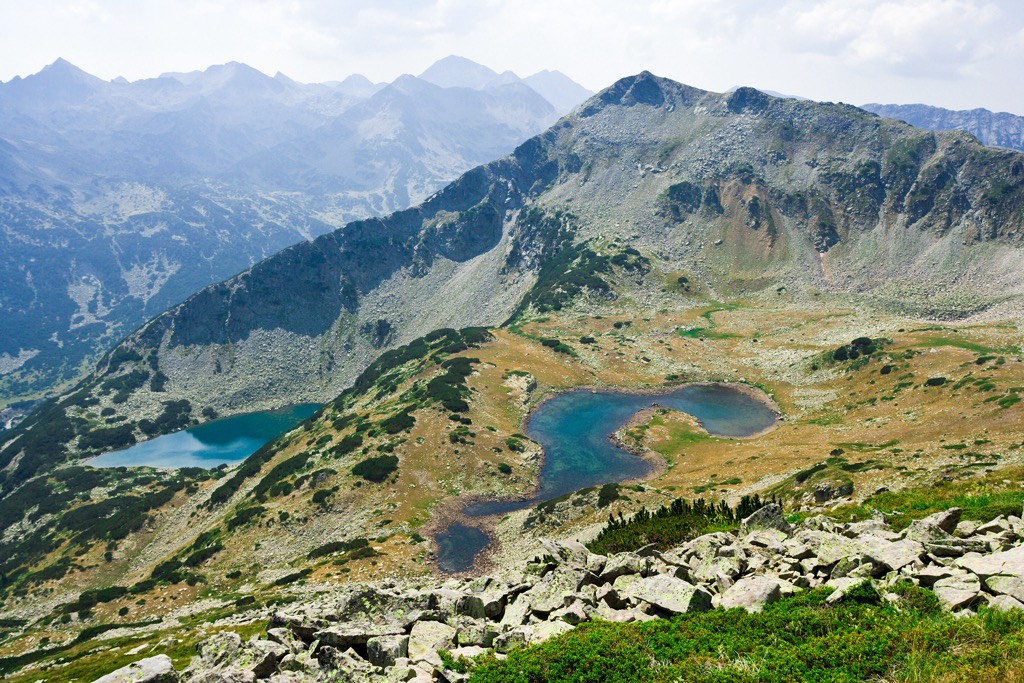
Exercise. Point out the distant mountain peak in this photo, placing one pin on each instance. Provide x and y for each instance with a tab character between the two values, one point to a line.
458	72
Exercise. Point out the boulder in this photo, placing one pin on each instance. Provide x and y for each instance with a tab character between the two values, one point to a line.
156	669
1005	603
1007	563
957	592
427	637
670	594
515	639
752	593
548	629
893	555
622	564
768	517
347	634
554	590
1000	584
262	657
385	650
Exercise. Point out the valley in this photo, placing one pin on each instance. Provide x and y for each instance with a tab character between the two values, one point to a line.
306	521
860	274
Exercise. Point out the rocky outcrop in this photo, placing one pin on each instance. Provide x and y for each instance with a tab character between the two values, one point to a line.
156	669
386	631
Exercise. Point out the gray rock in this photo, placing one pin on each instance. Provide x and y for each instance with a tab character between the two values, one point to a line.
554	590
568	553
515	639
670	594
621	616
710	569
1005	603
751	593
1000	584
516	613
957	592
622	564
219	648
827	547
1008	563
475	634
156	669
893	555
427	637
548	629
768	517
356	633
929	575
262	657
385	650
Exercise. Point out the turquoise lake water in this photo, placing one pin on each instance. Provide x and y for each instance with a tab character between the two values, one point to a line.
574	428
229	440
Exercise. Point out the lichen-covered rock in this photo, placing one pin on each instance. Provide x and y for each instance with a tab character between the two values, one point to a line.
427	637
385	650
670	594
957	592
156	669
768	517
752	593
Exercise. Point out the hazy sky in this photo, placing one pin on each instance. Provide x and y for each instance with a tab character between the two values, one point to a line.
952	53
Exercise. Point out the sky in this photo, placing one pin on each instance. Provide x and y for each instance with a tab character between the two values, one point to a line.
958	54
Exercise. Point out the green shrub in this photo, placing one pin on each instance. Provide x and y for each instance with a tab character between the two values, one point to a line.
376	469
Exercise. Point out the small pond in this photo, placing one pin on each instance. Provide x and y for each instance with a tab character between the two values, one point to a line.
229	440
573	429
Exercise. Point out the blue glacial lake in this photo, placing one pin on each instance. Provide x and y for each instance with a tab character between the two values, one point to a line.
573	429
229	440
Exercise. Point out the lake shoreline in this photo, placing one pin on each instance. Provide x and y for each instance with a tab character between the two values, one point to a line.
454	511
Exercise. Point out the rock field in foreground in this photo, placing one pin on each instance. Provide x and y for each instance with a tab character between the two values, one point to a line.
386	631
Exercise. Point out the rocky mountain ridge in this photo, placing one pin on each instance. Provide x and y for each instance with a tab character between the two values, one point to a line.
998	129
745	192
120	199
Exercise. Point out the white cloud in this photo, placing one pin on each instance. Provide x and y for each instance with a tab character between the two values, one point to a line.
958	53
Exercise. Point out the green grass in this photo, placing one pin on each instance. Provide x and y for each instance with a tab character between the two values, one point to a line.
797	639
936	342
981	499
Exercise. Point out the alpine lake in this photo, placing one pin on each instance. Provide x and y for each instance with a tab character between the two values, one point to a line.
574	430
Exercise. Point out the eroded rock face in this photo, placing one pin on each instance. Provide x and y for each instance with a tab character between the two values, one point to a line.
378	632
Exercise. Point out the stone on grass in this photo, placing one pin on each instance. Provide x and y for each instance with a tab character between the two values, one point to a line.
156	669
752	593
1005	603
957	592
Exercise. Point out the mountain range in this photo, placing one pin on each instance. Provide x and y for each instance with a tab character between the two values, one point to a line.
855	273
120	199
998	129
744	192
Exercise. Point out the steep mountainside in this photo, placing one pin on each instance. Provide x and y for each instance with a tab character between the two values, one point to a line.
818	258
744	193
998	129
120	199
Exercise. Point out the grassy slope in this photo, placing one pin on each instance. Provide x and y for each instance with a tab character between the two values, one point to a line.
894	432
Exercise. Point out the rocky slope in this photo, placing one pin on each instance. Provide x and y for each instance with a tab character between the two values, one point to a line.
391	631
744	192
998	129
118	200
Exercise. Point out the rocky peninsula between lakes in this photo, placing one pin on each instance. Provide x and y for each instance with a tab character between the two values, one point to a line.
414	631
